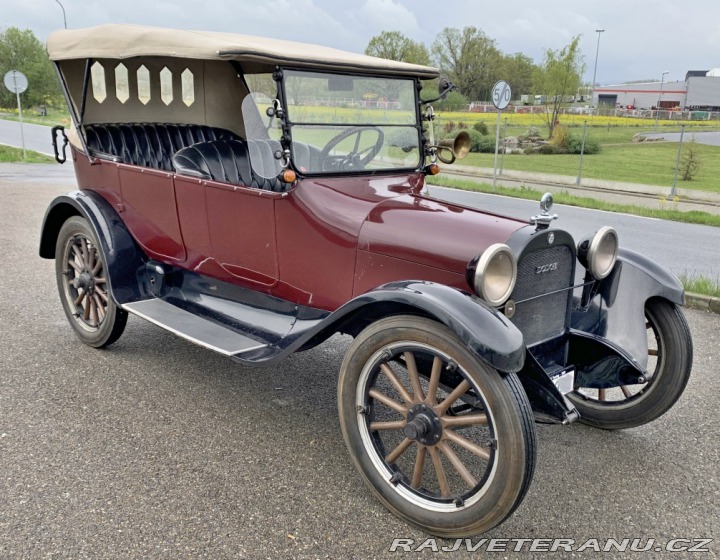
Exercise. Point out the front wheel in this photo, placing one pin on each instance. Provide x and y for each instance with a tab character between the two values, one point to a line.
670	354
443	440
82	282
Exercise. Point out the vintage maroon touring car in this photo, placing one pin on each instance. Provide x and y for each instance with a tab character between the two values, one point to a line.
257	196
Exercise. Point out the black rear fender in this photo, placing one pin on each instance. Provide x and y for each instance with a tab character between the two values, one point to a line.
121	254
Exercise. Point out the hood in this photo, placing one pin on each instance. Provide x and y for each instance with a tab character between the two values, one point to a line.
433	232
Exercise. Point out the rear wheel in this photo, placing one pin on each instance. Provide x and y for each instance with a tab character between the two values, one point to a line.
669	363
443	440
83	285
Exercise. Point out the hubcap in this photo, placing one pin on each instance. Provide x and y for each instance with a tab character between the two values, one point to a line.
423	425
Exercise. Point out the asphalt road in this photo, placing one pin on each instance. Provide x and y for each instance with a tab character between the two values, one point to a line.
37	137
683	248
155	448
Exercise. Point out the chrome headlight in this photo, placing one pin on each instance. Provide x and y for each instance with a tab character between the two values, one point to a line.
492	275
599	253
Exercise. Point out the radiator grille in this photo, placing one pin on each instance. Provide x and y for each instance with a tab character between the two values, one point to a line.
545	316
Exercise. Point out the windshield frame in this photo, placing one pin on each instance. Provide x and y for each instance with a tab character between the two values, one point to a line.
287	123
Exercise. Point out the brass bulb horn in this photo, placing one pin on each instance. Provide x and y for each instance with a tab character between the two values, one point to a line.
458	147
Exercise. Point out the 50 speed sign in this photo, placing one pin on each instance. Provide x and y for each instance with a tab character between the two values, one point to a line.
501	94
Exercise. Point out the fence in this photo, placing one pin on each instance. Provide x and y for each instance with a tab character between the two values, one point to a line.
666	115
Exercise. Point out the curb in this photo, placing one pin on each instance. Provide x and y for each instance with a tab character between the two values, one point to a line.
707	303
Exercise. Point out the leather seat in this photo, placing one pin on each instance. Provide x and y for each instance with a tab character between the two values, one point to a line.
228	161
150	144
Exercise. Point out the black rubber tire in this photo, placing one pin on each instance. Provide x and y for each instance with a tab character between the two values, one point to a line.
504	397
664	388
113	324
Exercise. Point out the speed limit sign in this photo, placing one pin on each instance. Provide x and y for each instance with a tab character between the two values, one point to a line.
501	94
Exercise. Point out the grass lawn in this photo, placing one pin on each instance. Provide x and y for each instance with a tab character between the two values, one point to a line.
8	154
31	116
650	163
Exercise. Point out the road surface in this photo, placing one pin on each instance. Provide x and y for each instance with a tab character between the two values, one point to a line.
156	448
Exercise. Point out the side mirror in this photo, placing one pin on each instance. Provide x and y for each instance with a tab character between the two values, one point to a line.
445	86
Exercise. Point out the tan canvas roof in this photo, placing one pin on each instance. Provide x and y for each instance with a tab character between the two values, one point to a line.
126	41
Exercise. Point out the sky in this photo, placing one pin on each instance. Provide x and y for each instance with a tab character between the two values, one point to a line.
642	38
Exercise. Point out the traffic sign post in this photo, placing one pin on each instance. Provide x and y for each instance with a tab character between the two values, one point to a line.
501	95
17	83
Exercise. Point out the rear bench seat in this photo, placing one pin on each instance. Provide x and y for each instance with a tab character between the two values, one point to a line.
150	144
228	161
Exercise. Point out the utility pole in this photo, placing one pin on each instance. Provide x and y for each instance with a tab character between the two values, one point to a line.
597	53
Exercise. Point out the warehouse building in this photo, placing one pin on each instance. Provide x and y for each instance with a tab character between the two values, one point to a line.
699	92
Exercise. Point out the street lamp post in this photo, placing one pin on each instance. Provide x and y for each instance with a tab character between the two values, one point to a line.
657	111
597	53
63	9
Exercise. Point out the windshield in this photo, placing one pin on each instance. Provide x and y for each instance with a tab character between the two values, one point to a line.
344	123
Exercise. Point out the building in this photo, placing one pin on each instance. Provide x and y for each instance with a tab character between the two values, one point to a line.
699	91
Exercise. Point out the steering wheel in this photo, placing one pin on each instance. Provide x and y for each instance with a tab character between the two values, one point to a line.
357	158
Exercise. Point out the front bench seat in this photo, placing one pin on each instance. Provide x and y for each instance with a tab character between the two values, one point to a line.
150	144
228	161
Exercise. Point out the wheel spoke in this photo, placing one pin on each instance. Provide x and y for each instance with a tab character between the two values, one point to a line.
419	466
601	394
626	391
86	315
75	265
414	376
78	254
81	296
431	397
84	248
399	450
467	444
457	464
97	267
93	312
390	425
100	280
652	352
464	420
100	306
102	294
439	472
399	387
387	401
91	258
459	391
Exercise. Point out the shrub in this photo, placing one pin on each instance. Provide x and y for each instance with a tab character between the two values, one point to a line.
481	127
462	125
448	127
689	164
573	145
546	149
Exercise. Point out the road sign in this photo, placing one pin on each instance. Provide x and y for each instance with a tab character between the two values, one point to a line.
16	81
501	94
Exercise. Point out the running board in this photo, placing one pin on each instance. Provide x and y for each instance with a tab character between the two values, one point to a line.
192	327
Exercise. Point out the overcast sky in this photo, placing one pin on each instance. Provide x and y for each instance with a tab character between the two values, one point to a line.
642	38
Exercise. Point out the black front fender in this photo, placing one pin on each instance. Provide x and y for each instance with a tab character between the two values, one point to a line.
488	333
617	313
121	254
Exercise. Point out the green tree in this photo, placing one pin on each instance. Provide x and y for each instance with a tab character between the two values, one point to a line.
559	77
394	45
21	50
470	58
518	70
